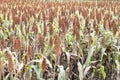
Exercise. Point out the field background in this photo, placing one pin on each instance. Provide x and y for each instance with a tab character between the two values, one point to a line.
59	40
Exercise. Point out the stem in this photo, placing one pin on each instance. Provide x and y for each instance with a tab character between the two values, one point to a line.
55	66
18	57
57	62
0	76
11	76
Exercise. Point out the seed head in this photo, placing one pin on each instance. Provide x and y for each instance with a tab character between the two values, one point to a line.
44	66
17	44
57	45
29	51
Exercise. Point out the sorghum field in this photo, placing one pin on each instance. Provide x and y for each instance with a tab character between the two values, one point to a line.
59	40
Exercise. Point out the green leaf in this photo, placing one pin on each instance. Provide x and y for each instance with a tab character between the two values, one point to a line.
103	52
103	72
80	69
61	75
90	54
38	72
55	28
0	54
40	61
70	38
7	76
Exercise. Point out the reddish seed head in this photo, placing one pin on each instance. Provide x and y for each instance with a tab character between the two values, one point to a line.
64	24
43	14
114	27
98	15
8	55
119	33
24	19
50	29
45	29
29	51
57	45
10	63
90	40
76	26
44	66
35	28
17	44
110	24
94	23
2	43
51	16
95	26
26	58
1	67
77	35
10	39
41	40
27	29
104	24
86	22
76	22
